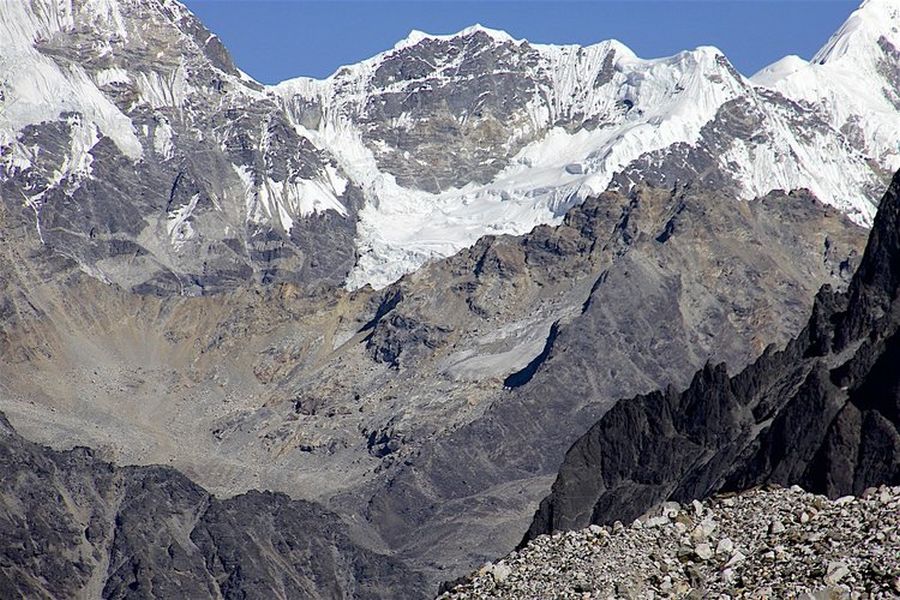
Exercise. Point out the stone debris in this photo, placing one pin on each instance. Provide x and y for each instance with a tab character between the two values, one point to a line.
764	543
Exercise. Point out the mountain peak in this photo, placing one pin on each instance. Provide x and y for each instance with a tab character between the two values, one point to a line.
778	70
858	37
416	36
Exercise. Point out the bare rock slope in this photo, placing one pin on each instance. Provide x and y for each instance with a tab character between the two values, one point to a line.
412	410
416	407
823	413
73	525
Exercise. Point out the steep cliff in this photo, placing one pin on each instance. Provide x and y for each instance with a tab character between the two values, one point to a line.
823	413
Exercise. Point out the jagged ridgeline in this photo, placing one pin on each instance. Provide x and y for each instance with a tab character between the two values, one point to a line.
823	413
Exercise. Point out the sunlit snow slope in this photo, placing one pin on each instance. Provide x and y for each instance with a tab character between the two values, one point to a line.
581	116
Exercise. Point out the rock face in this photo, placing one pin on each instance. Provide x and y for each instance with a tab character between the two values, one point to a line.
76	526
823	413
659	280
417	407
761	543
132	145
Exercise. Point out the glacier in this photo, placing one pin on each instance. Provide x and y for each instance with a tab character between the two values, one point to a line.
671	99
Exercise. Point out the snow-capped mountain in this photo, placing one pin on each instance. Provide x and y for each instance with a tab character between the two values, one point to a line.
452	137
129	137
853	81
132	145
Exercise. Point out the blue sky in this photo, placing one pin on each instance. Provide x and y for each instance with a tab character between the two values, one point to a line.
273	40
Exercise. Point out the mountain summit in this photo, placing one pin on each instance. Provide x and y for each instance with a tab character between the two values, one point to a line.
853	82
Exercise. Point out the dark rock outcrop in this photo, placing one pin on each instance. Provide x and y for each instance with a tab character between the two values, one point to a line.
823	413
722	283
72	525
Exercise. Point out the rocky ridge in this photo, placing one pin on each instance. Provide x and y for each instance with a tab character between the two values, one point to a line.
74	525
643	320
763	543
556	124
823	413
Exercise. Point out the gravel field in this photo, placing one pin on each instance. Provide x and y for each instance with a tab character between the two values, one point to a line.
772	543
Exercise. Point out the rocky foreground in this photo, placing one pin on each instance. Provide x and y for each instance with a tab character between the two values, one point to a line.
774	543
